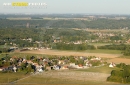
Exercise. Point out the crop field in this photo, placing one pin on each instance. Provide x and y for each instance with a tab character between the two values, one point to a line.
74	53
67	77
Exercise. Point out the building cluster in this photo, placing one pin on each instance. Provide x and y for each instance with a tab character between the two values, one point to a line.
40	64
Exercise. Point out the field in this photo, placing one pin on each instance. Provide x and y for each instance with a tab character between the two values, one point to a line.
67	77
108	30
10	77
74	53
91	76
112	56
120	60
103	69
104	51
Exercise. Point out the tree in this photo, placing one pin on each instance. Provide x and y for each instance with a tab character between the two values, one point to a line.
126	52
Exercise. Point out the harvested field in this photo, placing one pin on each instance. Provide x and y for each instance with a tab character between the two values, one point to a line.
68	53
119	60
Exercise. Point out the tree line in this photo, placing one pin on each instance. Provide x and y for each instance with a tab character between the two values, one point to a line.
113	47
71	46
125	49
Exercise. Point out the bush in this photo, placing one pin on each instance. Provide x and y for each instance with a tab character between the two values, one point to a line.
115	79
122	76
95	62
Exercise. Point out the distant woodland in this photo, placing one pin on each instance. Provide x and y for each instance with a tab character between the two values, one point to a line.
98	23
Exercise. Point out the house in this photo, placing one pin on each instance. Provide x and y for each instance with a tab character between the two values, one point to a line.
14	68
2	68
10	68
80	66
72	64
39	68
29	62
128	41
88	64
64	67
57	40
61	62
85	67
97	58
112	64
56	67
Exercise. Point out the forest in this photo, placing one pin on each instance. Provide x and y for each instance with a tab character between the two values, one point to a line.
93	24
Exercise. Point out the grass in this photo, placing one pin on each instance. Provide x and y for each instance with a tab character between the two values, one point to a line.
24	55
104	51
96	51
102	69
57	81
18	54
4	46
112	30
49	80
123	56
10	77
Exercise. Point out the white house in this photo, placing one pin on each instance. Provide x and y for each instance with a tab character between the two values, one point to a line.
39	68
112	64
61	62
14	68
56	67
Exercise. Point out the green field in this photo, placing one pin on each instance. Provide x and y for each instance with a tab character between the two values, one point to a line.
104	51
96	51
103	69
38	80
4	46
18	54
123	56
44	79
54	79
10	77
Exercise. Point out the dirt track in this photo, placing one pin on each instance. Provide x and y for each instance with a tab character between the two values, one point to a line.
68	53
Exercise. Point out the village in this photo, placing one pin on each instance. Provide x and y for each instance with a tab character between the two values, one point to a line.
36	64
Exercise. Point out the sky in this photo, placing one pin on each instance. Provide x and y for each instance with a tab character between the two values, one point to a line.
71	6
